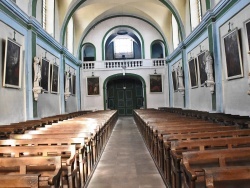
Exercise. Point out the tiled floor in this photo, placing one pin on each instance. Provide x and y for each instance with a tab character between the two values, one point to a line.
126	162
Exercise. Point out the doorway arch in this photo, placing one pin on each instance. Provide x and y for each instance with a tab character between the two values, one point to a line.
124	93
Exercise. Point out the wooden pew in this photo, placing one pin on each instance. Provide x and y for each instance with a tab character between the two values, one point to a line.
174	154
167	139
19	181
70	171
82	157
229	177
48	167
194	162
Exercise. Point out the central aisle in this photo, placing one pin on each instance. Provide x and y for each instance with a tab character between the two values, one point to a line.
126	162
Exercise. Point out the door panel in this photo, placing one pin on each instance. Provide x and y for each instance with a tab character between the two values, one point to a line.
125	94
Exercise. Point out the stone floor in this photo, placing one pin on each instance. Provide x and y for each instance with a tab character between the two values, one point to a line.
126	162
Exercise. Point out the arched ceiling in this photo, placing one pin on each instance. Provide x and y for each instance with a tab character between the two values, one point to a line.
87	13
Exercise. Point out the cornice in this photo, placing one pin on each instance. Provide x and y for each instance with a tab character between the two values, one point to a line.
206	20
32	23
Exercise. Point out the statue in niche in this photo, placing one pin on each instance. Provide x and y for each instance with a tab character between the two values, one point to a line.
37	72
67	86
37	78
209	71
180	79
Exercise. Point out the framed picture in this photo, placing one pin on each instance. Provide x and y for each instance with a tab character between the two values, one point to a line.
12	64
73	84
93	86
155	83
174	78
193	72
247	25
45	74
233	55
202	66
54	79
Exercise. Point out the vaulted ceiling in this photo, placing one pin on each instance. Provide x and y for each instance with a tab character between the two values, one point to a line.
86	13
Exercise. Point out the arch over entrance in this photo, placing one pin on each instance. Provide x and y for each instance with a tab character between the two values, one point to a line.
124	93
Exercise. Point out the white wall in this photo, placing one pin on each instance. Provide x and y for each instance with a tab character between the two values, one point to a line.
154	100
12	101
200	97
48	103
96	35
235	97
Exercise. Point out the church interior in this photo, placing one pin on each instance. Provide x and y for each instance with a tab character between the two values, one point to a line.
74	73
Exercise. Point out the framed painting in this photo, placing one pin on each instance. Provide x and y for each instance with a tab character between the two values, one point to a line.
93	86
73	84
54	79
155	83
247	26
233	55
174	78
12	64
45	74
193	72
202	68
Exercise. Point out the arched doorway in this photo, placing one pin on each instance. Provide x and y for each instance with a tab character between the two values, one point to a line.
125	93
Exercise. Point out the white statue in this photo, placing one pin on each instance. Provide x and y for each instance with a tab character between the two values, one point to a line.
37	78
249	83
67	80
209	70
180	79
37	71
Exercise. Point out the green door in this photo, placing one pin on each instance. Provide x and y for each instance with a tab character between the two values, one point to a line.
124	94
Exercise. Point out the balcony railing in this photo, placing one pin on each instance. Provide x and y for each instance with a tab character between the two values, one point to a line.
124	63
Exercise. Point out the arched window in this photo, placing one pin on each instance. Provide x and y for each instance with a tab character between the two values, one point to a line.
48	16
70	36
157	50
88	52
123	47
175	32
195	12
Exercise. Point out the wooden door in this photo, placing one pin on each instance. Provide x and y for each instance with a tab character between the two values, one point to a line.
124	95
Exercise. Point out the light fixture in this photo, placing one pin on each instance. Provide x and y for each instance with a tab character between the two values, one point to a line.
93	74
155	72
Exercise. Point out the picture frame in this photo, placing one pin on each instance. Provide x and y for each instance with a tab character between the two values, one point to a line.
54	78
12	64
233	61
202	68
192	64
93	87
155	81
247	27
45	74
174	78
73	92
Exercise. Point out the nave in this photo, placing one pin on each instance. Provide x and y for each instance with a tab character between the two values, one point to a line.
126	162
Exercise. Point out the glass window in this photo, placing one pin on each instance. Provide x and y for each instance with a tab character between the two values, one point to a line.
123	47
195	12
175	33
48	17
70	36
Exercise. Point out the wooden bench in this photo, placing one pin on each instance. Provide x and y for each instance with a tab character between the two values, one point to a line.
174	154
82	157
70	170
167	139
48	167
194	162
229	177
19	181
